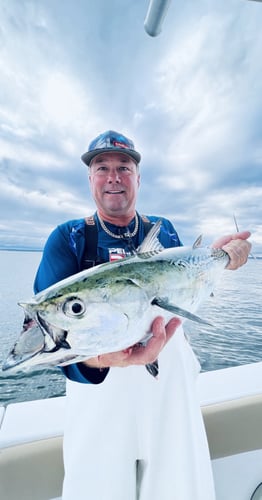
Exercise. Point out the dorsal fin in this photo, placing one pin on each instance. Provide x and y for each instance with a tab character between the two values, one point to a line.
151	242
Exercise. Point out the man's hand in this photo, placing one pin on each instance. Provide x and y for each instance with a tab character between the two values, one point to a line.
137	354
236	246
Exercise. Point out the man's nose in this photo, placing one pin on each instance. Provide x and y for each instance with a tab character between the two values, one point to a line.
114	176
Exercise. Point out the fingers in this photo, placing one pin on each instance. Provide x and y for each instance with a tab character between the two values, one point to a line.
171	327
236	246
238	251
161	335
143	355
244	235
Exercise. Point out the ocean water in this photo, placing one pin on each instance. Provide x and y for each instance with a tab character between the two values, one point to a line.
17	271
235	311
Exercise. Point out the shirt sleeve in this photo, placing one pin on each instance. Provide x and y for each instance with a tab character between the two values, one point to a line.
168	236
174	240
59	262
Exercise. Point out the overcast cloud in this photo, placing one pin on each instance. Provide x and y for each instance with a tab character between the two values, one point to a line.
191	99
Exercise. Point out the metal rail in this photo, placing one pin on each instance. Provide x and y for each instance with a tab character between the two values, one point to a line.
155	16
156	13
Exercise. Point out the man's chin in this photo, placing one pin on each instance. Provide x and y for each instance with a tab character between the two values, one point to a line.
115	209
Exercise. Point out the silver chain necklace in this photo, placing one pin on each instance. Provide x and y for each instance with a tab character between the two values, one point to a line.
119	236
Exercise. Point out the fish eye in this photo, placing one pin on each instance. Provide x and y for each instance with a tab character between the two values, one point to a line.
74	307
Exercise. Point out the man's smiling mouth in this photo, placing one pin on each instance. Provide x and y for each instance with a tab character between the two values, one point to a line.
115	192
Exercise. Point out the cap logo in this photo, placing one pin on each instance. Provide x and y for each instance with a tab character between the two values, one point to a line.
120	145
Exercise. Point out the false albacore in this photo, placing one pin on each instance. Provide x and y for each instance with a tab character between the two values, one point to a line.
111	307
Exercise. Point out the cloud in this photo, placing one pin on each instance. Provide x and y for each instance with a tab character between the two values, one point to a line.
190	99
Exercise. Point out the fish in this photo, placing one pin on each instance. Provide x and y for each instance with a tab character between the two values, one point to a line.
111	307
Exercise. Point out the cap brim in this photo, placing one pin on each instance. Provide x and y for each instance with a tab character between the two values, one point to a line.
87	157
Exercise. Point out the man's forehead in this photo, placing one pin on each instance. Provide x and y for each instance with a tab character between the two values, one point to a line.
112	156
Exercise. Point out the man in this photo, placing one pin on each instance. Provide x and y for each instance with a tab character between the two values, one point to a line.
127	435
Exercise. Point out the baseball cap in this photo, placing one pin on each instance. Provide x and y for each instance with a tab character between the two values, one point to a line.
110	141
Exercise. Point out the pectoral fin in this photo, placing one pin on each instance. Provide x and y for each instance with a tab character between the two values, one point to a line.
152	368
178	311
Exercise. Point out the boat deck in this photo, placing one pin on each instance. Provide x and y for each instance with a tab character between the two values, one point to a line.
31	438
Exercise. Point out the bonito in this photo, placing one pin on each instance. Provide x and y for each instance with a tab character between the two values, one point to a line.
111	307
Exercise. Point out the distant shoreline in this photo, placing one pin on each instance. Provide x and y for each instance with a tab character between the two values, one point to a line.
14	249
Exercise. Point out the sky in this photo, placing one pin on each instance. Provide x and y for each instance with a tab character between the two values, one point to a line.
190	99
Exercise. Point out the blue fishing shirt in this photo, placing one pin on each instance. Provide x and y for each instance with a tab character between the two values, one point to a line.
63	256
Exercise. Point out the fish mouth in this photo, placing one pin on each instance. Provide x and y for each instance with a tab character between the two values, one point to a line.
28	345
36	338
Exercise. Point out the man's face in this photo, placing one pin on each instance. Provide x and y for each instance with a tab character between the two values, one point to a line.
114	182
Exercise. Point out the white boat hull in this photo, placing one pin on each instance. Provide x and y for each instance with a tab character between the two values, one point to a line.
31	435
